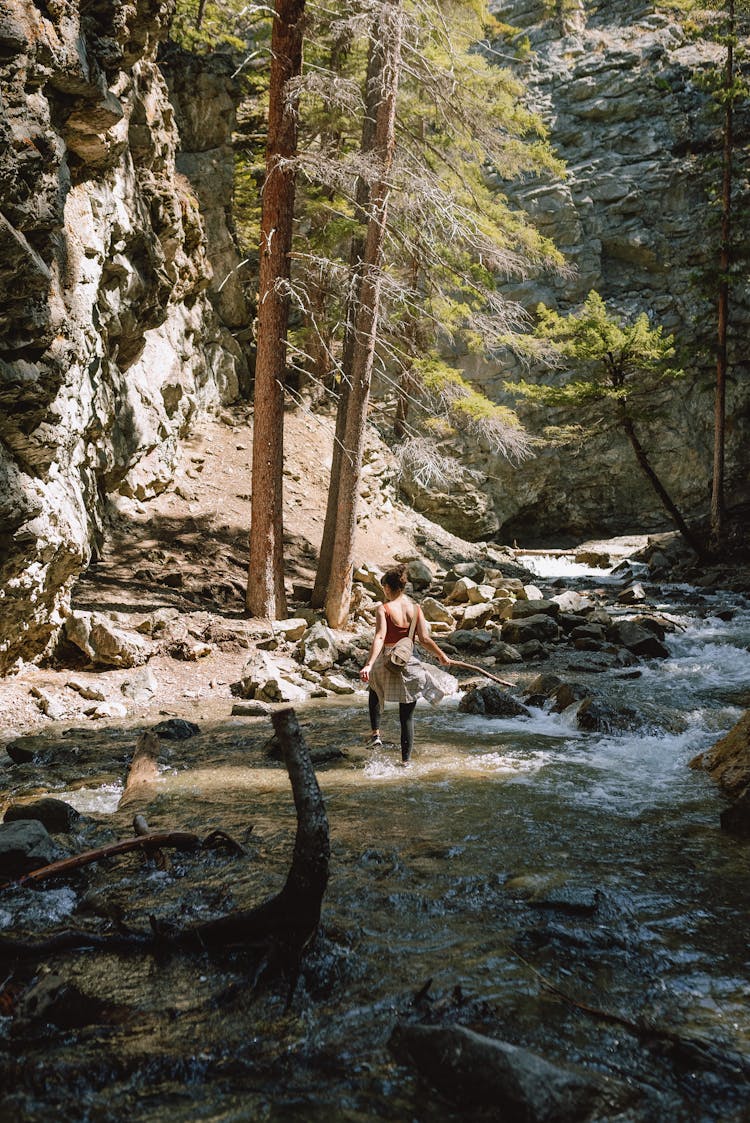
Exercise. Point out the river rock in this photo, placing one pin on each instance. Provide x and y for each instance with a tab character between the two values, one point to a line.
532	592
318	648
567	693
543	686
538	627
104	643
736	819
523	609
632	595
50	704
252	708
265	680
22	750
597	716
55	815
477	615
142	687
370	578
638	639
472	640
337	684
292	629
435	612
419	573
491	701
481	1072
728	760
107	710
25	845
176	729
481	594
459	590
571	601
505	653
472	569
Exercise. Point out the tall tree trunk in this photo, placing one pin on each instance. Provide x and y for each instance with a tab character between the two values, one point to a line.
666	499
265	582
717	490
388	34
373	98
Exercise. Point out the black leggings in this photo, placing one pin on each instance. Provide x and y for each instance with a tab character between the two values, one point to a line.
405	716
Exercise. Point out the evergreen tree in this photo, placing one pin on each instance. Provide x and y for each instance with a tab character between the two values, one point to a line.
265	586
612	373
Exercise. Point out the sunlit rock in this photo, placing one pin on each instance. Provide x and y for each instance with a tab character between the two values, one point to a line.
104	643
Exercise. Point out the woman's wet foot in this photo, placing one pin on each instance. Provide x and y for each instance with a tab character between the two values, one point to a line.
374	741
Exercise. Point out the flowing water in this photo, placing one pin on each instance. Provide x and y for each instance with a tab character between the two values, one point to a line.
509	853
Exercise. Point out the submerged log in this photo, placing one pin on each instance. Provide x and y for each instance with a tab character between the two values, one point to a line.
520	1086
282	926
143	769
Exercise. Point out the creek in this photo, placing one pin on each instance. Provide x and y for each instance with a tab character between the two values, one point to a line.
510	851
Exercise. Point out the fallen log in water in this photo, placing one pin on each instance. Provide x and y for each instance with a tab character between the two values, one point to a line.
282	926
143	769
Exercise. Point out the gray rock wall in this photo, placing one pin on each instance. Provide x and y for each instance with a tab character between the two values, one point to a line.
111	332
617	88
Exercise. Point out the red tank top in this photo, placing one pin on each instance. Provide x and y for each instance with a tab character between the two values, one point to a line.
393	631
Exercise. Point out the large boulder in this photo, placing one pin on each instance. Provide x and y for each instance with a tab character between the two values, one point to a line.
55	815
638	639
435	612
469	640
514	1084
476	616
318	647
522	609
491	701
25	845
105	644
728	760
539	626
262	679
419	573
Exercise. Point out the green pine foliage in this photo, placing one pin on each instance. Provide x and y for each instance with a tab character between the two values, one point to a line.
603	360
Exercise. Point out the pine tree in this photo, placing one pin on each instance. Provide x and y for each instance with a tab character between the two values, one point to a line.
611	373
385	75
265	586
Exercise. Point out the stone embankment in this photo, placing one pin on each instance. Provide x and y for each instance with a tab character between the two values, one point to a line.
118	327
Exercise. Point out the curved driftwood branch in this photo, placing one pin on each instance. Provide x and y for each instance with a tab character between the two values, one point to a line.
480	671
179	840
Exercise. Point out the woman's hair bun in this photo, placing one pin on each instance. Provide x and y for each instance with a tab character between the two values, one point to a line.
395	577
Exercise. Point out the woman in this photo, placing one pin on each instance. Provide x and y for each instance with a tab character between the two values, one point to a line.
392	623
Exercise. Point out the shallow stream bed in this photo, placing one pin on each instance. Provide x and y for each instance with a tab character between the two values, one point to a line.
509	853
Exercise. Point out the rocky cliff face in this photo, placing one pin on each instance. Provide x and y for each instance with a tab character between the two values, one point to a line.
114	329
615	82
